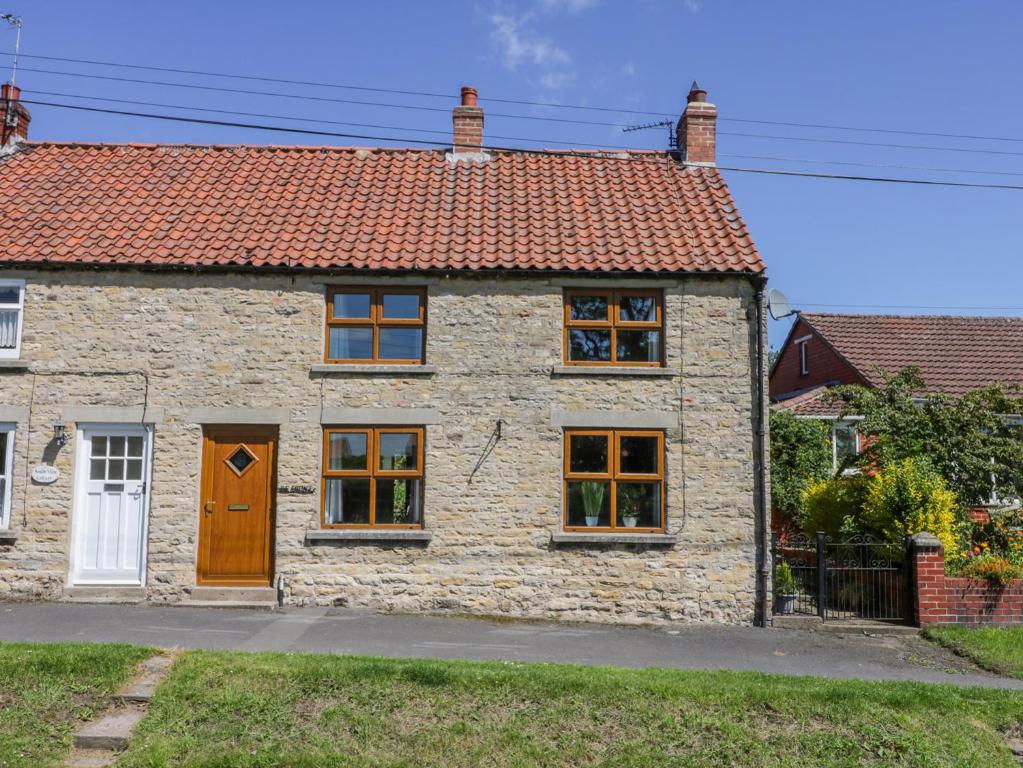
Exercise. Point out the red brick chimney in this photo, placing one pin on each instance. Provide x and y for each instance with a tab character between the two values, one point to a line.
13	114
468	120
697	127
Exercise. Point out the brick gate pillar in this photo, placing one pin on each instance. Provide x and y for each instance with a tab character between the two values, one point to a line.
928	556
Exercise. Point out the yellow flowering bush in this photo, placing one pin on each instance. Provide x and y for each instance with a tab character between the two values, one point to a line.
830	505
908	497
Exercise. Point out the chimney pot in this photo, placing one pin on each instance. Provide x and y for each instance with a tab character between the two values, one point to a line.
697	128
14	118
468	123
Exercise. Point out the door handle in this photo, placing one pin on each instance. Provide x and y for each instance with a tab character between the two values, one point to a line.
208	508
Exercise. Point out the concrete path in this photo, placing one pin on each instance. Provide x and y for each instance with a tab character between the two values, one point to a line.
336	630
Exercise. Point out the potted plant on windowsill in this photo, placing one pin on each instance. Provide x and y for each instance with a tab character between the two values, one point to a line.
785	589
593	500
629	500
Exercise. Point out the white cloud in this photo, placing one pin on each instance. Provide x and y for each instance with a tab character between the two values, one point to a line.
555	80
572	6
629	69
515	43
694	5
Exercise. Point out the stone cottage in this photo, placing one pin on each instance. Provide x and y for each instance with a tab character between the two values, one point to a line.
501	382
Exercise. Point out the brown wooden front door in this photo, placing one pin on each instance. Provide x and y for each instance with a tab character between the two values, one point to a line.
236	505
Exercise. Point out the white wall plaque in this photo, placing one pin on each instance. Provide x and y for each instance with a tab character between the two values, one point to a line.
45	474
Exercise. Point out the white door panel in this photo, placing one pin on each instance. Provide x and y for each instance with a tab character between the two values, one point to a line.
108	531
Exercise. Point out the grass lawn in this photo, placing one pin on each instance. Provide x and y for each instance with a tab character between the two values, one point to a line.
46	689
231	709
999	649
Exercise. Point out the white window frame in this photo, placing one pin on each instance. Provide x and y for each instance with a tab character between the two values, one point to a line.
804	358
8	469
841	424
14	354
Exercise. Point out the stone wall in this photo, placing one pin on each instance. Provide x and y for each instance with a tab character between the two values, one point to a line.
180	341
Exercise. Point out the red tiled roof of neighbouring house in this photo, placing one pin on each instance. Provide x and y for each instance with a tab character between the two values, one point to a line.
954	354
331	207
809	403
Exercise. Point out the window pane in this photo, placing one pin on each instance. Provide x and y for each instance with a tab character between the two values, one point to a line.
638	455
589	504
639	346
639	505
135	446
348	450
9	328
97	469
351	343
134	471
588	307
589	345
398	450
351	305
3	456
401	343
845	443
99	446
401	306
115	469
9	295
638	309
117	446
347	500
398	501
588	453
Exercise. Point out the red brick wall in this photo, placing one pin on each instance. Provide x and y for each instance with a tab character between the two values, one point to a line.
942	599
825	365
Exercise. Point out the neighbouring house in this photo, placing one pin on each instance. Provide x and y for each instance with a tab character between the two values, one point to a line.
501	382
955	355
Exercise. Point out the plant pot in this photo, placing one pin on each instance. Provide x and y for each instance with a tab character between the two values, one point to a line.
785	604
630	520
592	521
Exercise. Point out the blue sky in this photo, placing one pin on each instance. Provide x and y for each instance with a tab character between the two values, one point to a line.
935	66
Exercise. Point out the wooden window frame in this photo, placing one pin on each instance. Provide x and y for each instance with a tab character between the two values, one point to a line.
613	323
613	476
375	321
372	473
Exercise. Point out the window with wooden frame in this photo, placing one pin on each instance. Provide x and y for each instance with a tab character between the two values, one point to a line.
372	477
614	480
614	327
375	325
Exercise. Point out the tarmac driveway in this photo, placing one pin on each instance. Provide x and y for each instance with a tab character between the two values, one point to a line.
338	630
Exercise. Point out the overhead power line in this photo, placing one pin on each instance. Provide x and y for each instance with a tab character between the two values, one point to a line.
608	156
521	102
535	140
978	307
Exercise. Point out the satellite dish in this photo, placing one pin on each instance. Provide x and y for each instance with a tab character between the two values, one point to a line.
778	305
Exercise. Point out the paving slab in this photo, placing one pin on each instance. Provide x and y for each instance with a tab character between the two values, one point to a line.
341	630
111	730
143	687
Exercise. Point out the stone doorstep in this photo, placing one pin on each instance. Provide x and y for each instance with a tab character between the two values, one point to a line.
103	594
257	598
112	730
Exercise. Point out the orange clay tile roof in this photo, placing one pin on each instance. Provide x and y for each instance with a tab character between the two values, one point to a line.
954	354
330	207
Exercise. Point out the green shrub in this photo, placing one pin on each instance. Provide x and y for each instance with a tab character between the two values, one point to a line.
908	497
784	580
833	506
800	453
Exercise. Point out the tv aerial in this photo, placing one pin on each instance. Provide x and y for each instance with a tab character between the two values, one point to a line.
778	306
15	22
668	124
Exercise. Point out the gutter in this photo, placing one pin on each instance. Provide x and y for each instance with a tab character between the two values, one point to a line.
762	503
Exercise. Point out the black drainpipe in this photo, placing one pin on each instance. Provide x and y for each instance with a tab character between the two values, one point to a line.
762	504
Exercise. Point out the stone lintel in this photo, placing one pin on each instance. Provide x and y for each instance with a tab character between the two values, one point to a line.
14	413
112	414
614	419
239	415
401	417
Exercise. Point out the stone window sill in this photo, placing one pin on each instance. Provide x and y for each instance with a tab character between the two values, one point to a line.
612	370
645	539
9	364
8	537
393	536
340	369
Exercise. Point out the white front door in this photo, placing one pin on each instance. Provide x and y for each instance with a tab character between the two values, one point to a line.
108	531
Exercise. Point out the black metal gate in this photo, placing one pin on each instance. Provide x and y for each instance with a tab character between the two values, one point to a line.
857	577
